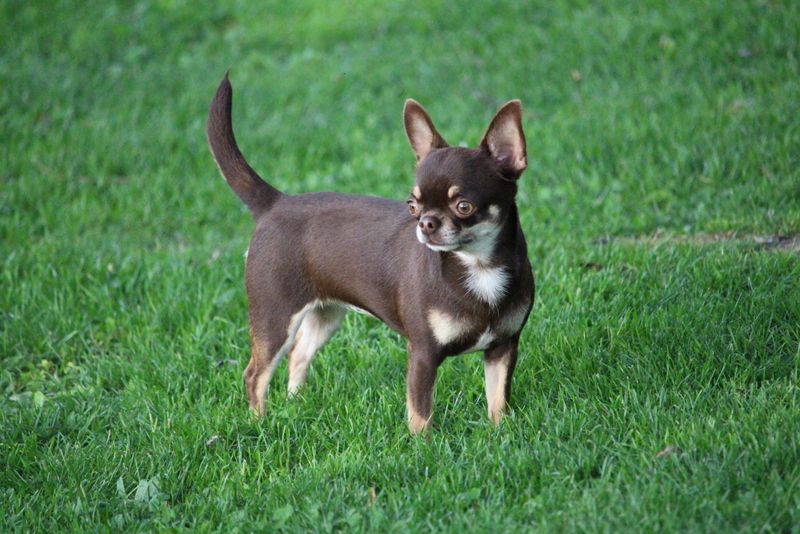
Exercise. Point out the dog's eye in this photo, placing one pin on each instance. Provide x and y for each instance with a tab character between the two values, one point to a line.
413	209
465	208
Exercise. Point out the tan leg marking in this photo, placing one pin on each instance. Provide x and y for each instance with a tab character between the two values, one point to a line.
416	423
496	374
258	373
263	361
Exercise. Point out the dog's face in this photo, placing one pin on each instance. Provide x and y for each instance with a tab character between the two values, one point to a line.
463	196
460	200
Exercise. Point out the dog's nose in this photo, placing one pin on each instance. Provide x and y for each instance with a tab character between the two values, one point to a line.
429	224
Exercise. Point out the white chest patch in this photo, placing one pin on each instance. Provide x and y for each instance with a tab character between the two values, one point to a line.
487	283
445	327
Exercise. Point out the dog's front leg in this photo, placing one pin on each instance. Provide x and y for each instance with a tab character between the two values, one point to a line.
498	368
420	382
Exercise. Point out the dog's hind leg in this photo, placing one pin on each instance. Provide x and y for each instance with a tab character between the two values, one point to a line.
319	324
271	340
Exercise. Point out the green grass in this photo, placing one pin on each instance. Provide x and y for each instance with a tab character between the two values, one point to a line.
122	299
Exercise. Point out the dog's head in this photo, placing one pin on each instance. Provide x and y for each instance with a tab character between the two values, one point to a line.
463	196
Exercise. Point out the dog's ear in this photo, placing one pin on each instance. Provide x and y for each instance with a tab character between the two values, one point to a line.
504	140
420	130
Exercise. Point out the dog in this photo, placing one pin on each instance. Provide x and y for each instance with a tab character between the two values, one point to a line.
448	269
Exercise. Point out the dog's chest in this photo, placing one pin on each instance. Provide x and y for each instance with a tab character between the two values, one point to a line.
473	332
489	284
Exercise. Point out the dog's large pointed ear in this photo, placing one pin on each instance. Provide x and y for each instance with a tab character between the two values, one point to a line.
420	130
504	140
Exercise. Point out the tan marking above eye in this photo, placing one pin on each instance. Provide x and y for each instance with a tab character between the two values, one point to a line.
416	192
453	191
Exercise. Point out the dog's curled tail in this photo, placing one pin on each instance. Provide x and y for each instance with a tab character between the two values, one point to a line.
257	194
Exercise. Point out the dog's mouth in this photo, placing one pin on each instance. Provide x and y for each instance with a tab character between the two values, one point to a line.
441	245
449	247
442	248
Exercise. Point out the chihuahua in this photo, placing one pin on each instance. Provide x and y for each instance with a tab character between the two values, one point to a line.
448	269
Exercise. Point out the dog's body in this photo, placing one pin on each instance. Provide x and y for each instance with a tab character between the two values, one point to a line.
449	286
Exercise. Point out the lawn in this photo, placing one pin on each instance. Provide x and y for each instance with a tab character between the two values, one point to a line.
657	387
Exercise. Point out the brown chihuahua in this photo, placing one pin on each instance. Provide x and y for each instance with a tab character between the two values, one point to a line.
448	269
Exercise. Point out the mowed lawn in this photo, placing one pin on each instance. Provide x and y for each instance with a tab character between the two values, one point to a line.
657	388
